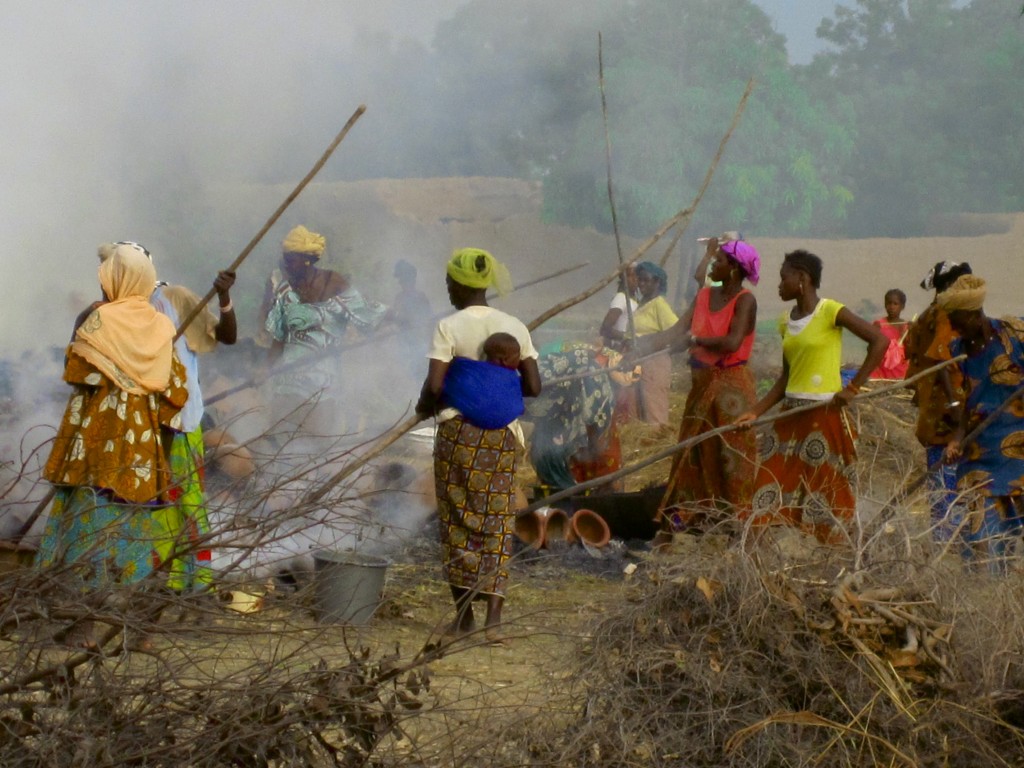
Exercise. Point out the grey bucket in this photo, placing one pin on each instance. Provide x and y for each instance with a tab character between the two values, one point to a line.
347	586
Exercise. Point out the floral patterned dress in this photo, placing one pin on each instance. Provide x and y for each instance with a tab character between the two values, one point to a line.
110	518
991	471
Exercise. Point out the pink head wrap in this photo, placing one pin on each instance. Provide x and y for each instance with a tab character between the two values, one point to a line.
746	256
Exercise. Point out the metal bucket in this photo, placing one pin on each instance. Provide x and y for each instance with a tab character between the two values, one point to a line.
347	586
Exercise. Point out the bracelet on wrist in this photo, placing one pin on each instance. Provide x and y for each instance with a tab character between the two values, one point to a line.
229	307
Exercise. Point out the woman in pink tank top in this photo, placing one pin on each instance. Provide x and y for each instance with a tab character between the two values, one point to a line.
713	479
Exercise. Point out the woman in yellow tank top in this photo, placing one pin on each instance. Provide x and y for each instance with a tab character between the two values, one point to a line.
807	461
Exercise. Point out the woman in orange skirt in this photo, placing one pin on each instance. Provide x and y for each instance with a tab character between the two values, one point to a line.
807	460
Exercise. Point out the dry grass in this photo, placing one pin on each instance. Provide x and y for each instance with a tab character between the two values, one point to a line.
889	652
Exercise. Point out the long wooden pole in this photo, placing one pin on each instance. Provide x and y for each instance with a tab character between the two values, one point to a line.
690	442
740	108
682	215
234	265
630	325
383	441
375	339
274	217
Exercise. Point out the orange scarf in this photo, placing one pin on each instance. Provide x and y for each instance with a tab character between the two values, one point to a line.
126	338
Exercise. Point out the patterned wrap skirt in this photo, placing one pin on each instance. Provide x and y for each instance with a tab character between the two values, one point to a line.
104	541
717	474
656	385
189	545
807	472
474	470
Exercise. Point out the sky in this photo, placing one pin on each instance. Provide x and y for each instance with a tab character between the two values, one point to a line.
99	95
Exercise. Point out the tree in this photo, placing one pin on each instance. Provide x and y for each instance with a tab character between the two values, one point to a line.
674	74
937	103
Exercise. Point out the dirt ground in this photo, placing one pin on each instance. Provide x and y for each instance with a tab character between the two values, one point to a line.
556	596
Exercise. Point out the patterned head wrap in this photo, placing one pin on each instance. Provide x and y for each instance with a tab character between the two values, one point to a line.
106	250
301	240
476	268
967	294
944	274
746	256
659	274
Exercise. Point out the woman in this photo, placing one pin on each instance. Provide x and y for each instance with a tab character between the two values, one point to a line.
616	324
715	476
654	315
895	328
991	468
575	436
308	311
474	467
187	452
807	459
111	520
938	397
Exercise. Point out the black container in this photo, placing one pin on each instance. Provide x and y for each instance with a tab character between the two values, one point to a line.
630	515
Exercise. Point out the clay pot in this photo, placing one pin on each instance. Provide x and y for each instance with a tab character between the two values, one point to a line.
233	460
530	527
590	528
545	527
557	532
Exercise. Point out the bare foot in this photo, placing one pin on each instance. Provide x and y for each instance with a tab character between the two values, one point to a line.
494	637
458	629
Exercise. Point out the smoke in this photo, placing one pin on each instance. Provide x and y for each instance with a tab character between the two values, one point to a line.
115	112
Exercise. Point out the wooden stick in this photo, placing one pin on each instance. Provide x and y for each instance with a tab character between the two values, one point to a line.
740	108
890	508
630	325
375	339
386	440
31	519
683	215
691	441
274	217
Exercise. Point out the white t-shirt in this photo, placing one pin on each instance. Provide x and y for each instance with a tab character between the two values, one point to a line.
619	303
463	333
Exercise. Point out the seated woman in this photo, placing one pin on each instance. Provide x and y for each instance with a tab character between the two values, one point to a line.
307	312
575	436
807	460
112	520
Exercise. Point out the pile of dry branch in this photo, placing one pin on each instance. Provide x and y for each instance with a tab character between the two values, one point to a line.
727	659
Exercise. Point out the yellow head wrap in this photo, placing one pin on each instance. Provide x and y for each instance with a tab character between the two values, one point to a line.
967	293
476	268
301	240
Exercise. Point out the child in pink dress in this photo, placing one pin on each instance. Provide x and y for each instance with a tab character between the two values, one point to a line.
894	364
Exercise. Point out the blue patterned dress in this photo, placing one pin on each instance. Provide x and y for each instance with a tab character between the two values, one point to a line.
991	471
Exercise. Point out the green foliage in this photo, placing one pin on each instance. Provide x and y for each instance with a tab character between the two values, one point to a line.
938	105
674	73
917	109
